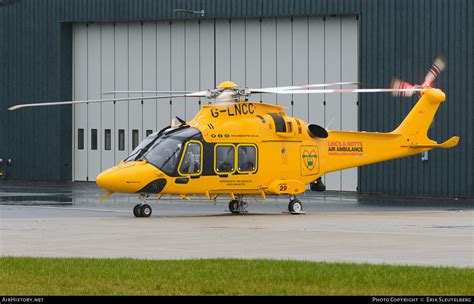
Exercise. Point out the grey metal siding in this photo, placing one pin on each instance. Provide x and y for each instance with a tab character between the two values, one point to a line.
397	38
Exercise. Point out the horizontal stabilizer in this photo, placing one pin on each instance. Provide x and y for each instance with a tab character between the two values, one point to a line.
452	142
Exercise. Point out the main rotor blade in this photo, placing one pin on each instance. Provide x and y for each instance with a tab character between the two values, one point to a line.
329	91
300	87
139	92
58	103
198	94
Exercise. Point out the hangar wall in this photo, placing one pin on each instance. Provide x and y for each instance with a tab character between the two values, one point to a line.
397	38
198	55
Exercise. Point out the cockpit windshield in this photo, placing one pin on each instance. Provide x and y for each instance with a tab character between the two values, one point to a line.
163	149
165	153
136	153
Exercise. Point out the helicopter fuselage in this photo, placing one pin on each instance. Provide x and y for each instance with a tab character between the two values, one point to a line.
251	148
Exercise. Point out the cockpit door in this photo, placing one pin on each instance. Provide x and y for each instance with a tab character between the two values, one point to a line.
191	159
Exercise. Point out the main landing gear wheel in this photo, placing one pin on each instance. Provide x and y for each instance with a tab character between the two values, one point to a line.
142	210
137	210
238	206
295	206
145	210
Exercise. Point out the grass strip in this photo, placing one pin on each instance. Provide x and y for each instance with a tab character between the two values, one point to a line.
81	276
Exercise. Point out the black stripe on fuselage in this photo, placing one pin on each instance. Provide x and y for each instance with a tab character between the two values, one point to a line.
280	125
208	156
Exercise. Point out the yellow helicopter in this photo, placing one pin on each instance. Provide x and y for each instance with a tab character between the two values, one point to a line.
235	147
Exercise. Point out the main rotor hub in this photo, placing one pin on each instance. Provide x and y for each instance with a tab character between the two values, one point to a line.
227	85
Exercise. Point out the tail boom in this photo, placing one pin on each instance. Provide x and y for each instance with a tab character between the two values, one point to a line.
346	149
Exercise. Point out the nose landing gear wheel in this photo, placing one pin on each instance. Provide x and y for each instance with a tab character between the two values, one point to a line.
295	207
234	206
142	210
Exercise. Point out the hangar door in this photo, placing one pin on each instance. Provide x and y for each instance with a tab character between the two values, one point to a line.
197	55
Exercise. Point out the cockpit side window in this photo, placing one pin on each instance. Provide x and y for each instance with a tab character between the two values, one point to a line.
191	162
224	159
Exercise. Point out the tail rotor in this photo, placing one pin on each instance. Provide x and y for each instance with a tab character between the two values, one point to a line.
433	72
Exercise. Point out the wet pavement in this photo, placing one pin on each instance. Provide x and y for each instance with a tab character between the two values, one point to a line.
82	199
47	219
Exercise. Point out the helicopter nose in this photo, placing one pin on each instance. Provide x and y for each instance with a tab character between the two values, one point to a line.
131	177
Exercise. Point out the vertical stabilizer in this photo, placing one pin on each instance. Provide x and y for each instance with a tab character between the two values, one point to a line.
421	116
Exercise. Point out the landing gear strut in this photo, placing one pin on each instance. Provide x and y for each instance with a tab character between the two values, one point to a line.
142	210
295	206
238	206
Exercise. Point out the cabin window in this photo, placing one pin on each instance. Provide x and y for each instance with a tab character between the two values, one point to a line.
107	139
80	139
93	139
225	159
247	160
148	132
191	163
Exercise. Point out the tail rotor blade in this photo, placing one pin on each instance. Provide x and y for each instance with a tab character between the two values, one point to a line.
398	84
438	66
